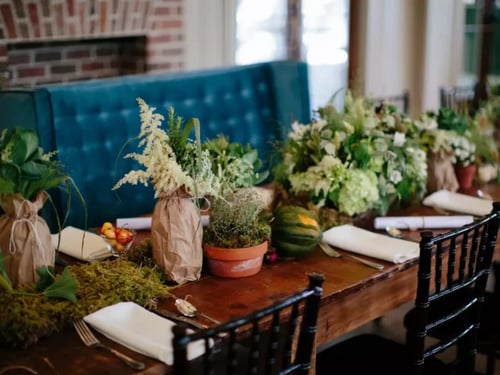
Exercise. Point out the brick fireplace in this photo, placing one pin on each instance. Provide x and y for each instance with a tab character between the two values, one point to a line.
49	41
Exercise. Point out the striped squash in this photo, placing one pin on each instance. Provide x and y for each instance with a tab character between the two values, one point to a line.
295	231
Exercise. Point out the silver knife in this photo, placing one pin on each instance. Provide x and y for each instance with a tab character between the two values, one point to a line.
330	251
179	318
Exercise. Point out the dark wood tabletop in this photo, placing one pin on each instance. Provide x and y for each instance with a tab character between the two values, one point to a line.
353	294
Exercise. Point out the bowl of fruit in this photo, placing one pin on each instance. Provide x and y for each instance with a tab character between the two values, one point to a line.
118	239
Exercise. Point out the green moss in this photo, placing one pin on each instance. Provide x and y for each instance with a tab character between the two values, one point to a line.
25	319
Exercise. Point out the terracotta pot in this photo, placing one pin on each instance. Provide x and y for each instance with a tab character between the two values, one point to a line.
465	175
234	263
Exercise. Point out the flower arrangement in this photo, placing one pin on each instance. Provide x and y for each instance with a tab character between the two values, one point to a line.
171	160
362	159
463	138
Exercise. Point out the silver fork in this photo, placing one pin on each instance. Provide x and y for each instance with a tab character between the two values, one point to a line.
91	341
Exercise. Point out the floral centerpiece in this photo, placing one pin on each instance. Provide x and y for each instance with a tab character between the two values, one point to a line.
488	125
180	172
26	173
170	159
362	159
455	140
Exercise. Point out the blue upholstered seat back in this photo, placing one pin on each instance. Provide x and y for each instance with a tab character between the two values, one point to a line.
88	123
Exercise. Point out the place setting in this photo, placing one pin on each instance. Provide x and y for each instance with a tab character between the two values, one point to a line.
138	329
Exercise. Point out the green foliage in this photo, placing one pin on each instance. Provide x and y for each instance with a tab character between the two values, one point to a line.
178	134
237	221
237	165
5	282
63	286
28	316
448	119
24	168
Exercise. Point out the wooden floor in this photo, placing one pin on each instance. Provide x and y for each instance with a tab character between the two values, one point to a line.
391	326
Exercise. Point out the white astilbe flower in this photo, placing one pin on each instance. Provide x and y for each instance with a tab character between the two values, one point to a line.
298	131
161	169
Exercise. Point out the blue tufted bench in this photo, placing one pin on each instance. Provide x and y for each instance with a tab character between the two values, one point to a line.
89	122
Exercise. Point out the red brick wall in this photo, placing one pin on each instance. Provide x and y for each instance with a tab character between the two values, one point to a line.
48	41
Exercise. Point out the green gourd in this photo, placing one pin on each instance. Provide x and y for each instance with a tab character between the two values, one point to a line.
295	231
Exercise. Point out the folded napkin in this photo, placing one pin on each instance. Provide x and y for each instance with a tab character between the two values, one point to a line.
140	330
415	222
144	223
457	202
81	244
361	241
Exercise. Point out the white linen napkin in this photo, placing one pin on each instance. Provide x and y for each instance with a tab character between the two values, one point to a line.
140	330
457	202
364	242
82	244
415	222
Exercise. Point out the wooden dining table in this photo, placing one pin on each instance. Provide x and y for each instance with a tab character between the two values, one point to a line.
353	295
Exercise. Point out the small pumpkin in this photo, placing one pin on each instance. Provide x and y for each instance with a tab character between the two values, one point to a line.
295	231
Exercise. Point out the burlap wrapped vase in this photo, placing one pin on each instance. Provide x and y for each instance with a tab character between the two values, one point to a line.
24	237
441	173
176	235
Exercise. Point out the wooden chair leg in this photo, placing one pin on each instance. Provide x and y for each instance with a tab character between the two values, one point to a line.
490	362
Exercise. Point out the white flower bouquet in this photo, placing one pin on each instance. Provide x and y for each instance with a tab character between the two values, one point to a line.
365	158
170	159
179	170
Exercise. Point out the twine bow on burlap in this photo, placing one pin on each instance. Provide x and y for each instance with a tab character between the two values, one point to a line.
24	237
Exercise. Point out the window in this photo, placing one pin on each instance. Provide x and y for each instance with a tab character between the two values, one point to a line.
261	35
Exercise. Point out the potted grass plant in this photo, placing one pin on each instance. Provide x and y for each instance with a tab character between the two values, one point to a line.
237	235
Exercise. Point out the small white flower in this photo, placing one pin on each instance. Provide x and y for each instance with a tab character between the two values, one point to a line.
329	147
399	139
395	177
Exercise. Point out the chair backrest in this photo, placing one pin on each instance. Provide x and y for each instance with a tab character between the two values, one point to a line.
459	98
453	266
401	101
260	343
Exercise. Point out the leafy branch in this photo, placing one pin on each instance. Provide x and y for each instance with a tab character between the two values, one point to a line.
64	286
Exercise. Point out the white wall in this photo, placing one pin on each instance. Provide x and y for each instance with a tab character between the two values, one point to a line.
444	33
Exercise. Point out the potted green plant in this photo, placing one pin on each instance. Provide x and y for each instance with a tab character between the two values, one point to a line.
26	173
237	235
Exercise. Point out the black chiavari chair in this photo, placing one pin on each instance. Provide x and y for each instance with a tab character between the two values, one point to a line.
452	274
259	343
